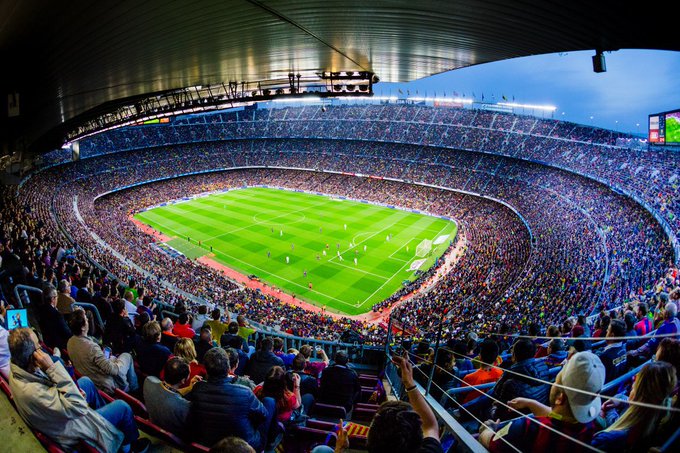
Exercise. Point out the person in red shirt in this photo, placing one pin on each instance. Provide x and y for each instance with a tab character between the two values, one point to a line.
183	327
274	386
486	373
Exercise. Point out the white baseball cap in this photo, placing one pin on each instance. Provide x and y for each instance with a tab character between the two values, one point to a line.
584	372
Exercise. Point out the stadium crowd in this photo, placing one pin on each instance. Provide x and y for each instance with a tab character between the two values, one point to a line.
563	247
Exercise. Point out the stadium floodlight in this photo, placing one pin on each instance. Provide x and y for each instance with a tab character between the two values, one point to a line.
548	108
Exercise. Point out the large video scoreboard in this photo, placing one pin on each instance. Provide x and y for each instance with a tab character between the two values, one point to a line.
664	128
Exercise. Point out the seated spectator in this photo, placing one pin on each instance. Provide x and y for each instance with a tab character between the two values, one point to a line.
49	401
203	343
635	428
147	306
601	327
275	386
232	445
339	383
644	324
220	408
557	353
53	326
571	412
669	351
64	300
107	373
168	338
103	303
130	304
200	318
670	325
278	352
231	338
630	320
262	361
183	327
140	321
120	333
314	366
165	399
462	365
487	373
526	379
309	385
151	354
235	356
216	325
613	356
186	350
542	349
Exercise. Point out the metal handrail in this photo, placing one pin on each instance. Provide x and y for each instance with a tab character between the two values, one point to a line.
26	289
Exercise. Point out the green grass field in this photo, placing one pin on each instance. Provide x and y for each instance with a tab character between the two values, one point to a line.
243	226
672	130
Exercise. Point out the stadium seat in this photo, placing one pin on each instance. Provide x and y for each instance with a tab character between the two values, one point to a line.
307	438
4	385
156	431
328	412
137	406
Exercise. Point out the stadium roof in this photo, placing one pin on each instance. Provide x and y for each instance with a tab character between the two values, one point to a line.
65	59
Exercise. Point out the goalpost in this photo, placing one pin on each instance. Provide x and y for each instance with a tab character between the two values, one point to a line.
424	248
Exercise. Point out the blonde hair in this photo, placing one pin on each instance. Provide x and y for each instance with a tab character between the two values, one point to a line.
654	383
185	349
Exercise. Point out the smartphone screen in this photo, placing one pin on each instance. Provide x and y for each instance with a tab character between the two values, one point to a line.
107	353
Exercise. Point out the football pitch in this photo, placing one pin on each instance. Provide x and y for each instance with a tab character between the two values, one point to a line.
281	236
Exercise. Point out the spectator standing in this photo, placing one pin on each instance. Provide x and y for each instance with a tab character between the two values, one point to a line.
339	383
216	325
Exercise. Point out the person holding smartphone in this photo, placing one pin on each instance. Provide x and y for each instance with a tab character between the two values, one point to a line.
49	401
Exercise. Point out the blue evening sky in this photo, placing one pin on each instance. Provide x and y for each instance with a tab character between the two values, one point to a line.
637	83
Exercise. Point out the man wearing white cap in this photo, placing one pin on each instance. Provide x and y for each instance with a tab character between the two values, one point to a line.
574	404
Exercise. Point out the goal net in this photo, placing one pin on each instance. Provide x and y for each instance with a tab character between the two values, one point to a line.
424	248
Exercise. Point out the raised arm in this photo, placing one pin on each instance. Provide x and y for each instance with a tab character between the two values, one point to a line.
430	425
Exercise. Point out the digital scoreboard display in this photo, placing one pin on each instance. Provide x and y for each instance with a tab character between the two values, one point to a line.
664	128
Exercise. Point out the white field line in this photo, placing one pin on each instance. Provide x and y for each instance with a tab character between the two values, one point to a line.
265	221
395	274
356	268
267	272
